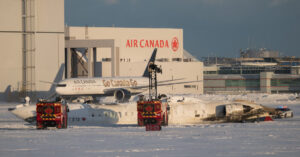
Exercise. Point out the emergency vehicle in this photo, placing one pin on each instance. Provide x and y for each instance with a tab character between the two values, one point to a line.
152	113
284	112
51	114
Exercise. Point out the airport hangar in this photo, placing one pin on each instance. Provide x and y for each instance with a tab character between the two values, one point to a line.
38	48
126	51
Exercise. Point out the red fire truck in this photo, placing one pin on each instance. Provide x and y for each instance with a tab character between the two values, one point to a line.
51	114
152	114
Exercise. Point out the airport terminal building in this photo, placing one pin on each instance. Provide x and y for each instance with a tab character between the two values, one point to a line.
256	71
37	50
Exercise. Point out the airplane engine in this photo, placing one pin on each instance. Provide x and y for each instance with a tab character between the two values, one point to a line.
122	95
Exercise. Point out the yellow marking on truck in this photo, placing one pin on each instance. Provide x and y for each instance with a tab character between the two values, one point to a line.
149	114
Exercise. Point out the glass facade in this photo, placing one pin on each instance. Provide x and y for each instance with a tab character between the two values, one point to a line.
285	82
253	70
242	83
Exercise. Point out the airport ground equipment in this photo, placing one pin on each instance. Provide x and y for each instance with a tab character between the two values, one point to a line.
283	112
51	114
153	113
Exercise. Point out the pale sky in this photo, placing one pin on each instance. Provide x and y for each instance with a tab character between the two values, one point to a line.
210	27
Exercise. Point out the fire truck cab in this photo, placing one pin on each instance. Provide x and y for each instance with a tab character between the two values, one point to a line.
51	114
152	113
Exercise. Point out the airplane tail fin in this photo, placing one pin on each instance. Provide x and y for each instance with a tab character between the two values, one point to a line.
151	61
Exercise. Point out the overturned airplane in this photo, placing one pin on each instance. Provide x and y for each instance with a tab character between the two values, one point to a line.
191	111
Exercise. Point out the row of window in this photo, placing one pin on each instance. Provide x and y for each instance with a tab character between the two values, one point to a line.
112	114
242	83
256	83
285	82
191	86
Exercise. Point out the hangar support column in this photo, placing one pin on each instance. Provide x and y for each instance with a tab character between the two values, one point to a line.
113	60
90	62
68	64
265	82
117	61
91	46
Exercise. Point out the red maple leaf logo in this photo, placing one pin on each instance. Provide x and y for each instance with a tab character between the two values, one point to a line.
175	44
149	108
48	110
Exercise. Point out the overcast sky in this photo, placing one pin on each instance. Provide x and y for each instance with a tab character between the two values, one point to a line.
210	27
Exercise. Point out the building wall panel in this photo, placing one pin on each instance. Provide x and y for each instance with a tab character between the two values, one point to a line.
11	63
49	59
10	15
106	69
133	41
171	71
50	15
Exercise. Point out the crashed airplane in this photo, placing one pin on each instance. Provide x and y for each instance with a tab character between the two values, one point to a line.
191	111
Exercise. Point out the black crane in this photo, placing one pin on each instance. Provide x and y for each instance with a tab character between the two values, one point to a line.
153	69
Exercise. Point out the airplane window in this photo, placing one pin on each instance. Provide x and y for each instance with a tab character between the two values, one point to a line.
61	85
120	114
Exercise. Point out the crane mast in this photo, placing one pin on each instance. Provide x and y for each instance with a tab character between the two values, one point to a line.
153	70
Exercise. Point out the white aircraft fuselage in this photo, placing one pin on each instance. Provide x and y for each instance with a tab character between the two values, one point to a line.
181	113
120	87
100	86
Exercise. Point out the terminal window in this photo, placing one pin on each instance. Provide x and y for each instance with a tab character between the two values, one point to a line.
190	86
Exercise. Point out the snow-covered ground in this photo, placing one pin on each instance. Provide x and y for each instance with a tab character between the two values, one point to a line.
277	138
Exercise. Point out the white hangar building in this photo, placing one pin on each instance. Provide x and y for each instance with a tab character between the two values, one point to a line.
37	48
125	52
32	46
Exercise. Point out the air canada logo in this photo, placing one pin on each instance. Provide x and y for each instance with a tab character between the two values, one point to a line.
153	43
175	44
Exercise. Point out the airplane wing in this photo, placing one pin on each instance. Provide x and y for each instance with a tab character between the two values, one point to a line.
170	80
165	83
48	82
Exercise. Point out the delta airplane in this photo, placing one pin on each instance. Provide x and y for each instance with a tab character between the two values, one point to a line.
185	112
